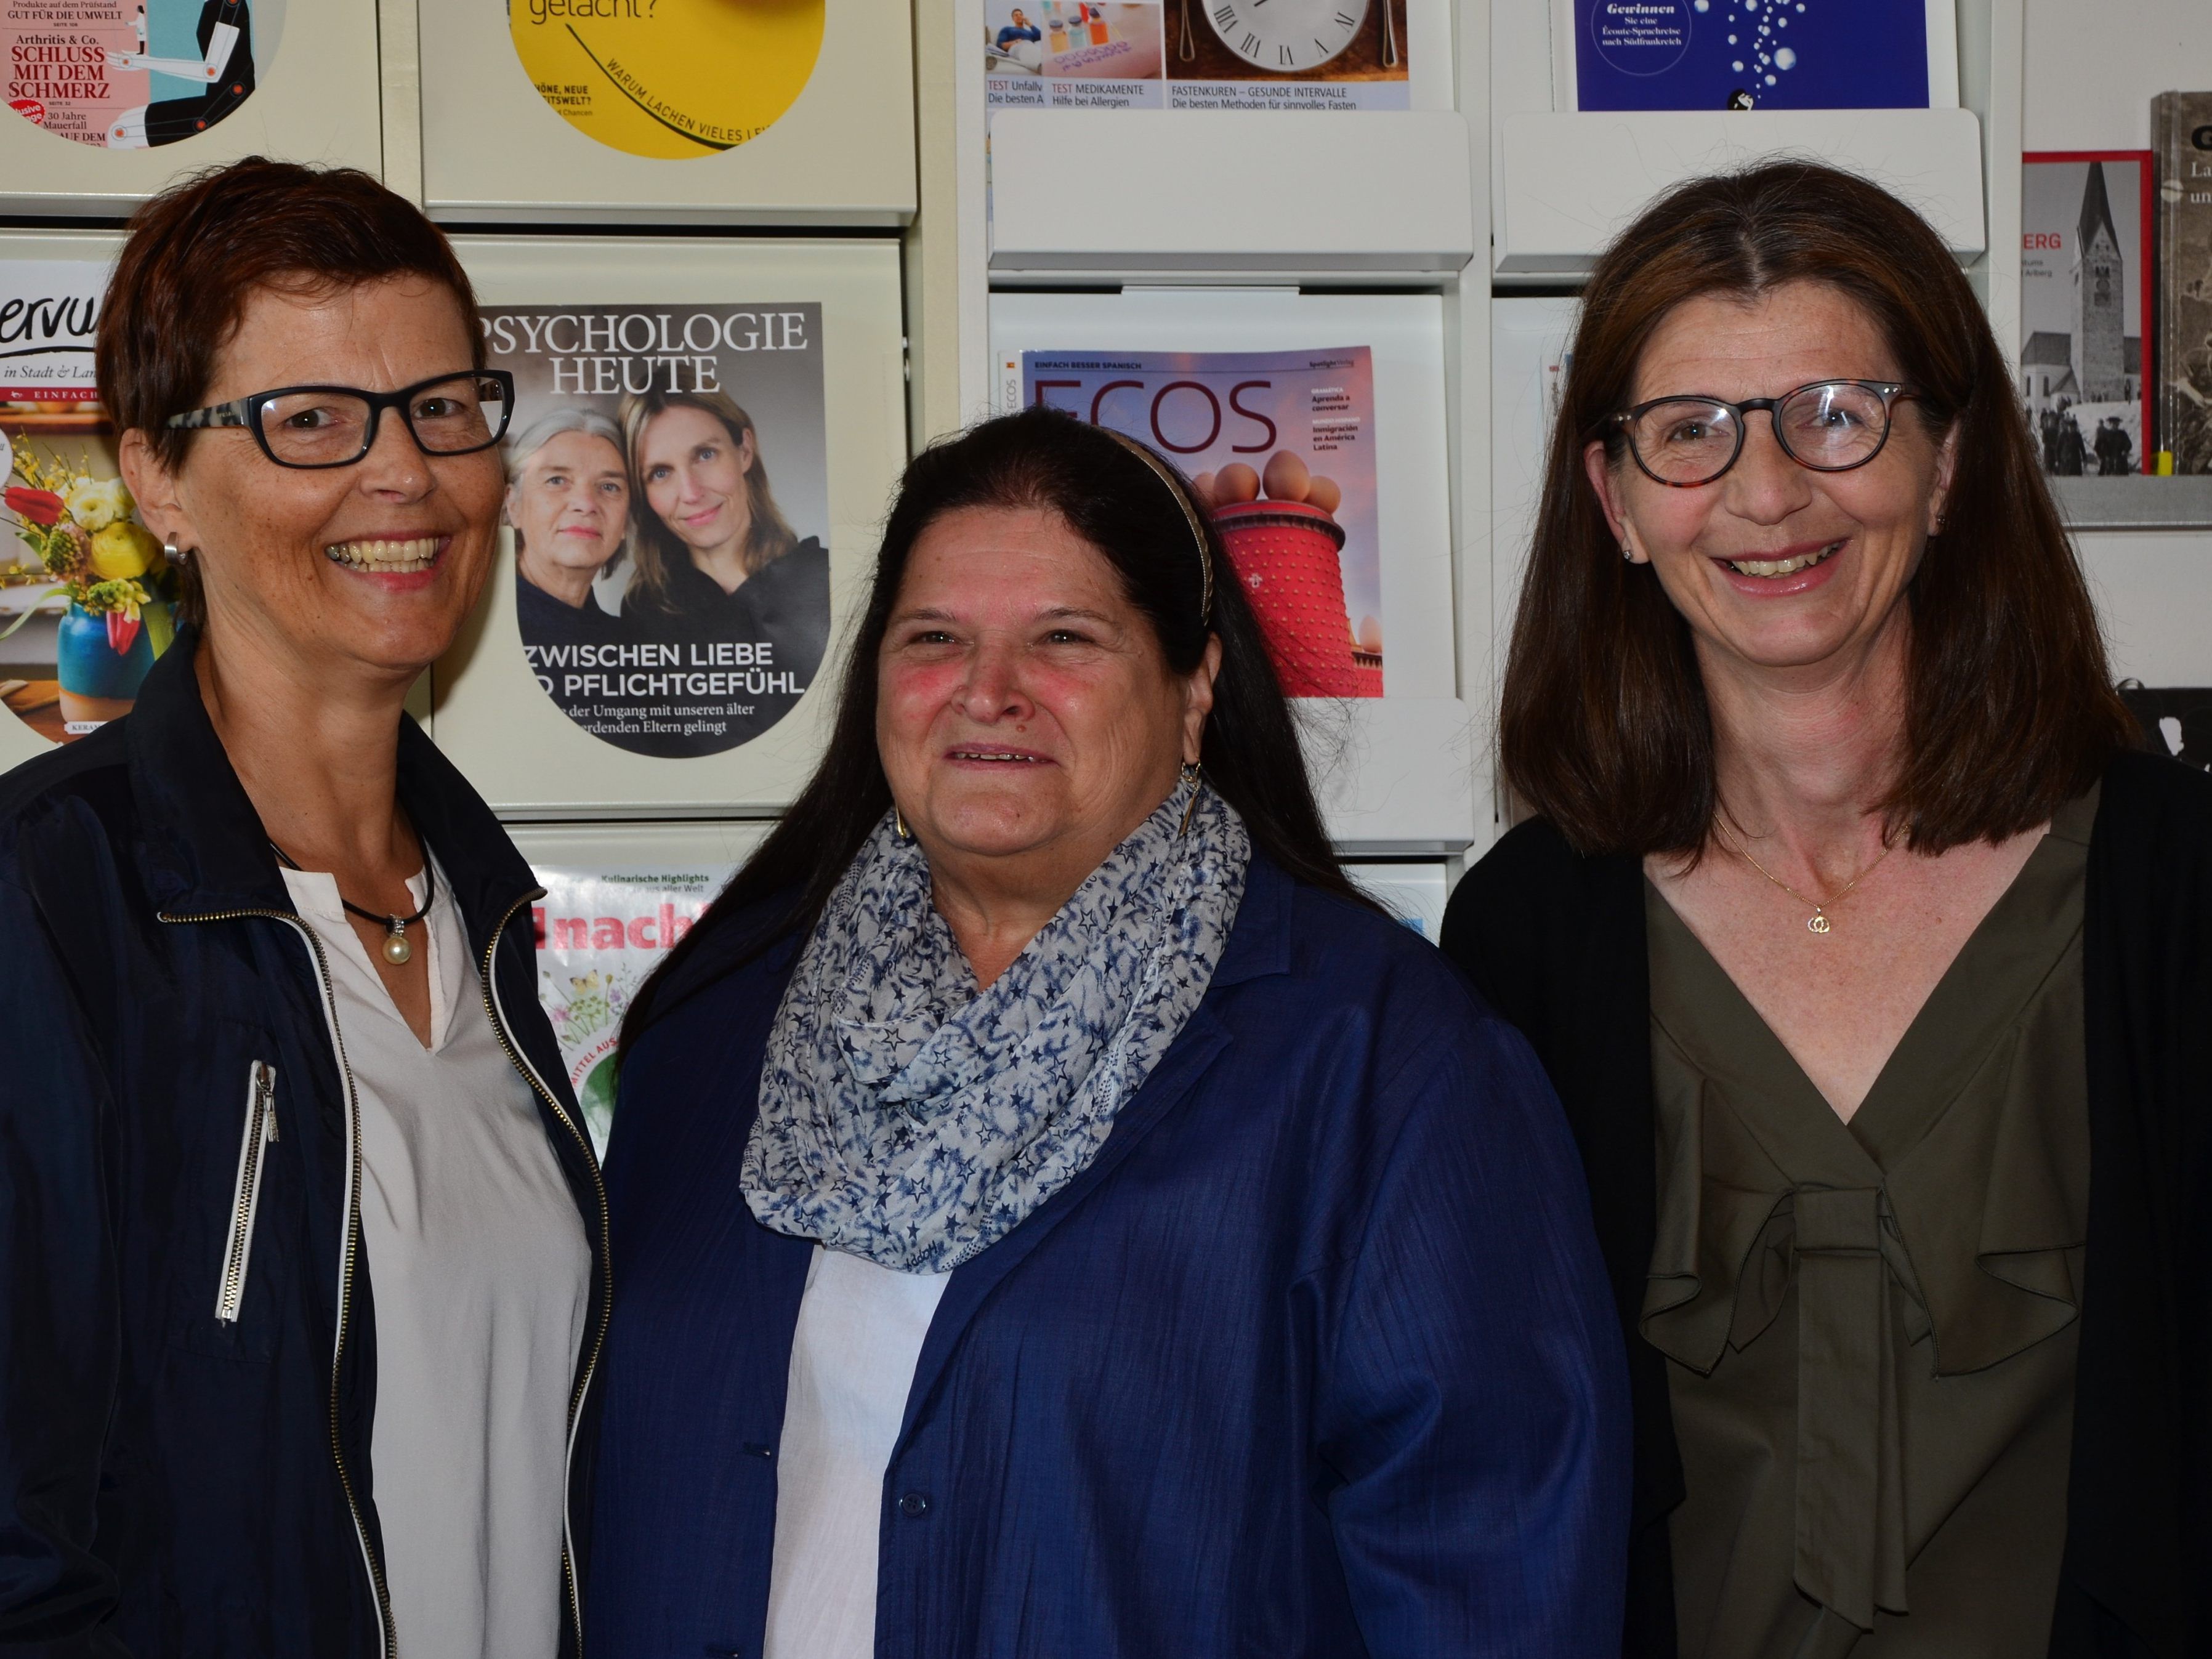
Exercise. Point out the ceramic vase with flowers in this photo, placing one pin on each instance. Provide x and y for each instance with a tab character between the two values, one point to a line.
121	590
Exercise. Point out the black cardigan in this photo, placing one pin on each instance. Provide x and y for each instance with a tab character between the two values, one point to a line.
1557	942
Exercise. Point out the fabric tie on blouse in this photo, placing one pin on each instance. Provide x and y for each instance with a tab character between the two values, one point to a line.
1949	1212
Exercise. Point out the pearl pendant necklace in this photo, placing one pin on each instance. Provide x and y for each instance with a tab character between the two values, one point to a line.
397	949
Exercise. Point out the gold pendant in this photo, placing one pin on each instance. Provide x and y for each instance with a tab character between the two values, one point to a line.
1819	923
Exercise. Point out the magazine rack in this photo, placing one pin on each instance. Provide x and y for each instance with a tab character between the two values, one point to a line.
315	99
494	152
1563	182
1382	194
1378	199
1572	180
516	747
1396	771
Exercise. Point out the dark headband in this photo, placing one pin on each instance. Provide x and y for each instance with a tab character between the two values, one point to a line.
1190	517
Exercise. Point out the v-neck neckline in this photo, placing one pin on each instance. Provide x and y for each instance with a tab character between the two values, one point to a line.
1928	1063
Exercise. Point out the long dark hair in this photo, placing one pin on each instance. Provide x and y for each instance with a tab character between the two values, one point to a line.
1038	458
2010	709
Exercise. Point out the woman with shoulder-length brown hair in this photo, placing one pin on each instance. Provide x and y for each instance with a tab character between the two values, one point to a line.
715	556
1870	959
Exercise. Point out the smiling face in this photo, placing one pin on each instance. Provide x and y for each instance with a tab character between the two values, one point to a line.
1025	715
694	474
371	566
570	504
1773	565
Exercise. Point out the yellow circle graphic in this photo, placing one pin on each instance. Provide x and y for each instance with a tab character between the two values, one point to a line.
668	78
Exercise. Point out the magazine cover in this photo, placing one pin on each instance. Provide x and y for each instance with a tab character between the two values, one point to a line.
1196	54
668	491
1755	54
2176	721
129	74
2085	299
86	598
671	79
1280	448
599	933
2181	136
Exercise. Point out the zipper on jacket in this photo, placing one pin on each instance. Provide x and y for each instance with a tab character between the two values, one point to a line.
606	1268
238	1246
348	1252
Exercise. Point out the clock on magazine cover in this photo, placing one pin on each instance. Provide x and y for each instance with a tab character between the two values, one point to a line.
1325	38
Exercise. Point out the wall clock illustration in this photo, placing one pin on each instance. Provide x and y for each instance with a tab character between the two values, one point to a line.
1287	36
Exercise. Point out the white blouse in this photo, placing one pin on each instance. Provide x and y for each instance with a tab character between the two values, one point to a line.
860	1331
480	1271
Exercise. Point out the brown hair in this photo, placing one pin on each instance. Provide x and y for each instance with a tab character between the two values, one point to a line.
2009	706
199	250
768	539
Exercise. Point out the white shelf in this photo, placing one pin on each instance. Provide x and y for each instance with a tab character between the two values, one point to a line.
1572	181
1294	192
843	155
2135	502
1394	775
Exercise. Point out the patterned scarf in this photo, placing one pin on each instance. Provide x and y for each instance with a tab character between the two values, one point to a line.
909	1119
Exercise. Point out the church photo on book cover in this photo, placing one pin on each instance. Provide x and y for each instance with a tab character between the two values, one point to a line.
2085	273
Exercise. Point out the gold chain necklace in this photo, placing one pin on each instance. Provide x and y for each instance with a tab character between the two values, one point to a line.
1818	922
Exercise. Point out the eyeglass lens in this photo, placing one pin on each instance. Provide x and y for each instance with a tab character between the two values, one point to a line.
1831	426
319	428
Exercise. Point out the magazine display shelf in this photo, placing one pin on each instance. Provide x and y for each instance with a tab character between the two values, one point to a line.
494	152
524	756
1396	184
1572	180
1562	183
2135	502
1379	199
315	98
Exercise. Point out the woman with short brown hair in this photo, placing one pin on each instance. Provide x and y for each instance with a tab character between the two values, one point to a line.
1858	939
302	1259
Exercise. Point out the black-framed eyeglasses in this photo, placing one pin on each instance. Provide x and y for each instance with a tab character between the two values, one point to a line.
318	426
1830	425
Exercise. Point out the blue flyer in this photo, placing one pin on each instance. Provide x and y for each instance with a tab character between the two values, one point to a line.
1753	54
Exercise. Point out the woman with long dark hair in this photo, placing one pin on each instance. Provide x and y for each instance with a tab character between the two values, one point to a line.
1868	958
1059	1215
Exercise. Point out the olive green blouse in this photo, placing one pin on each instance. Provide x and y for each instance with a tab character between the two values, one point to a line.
1870	1329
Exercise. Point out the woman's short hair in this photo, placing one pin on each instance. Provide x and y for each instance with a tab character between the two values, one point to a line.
196	253
546	428
2009	705
1041	459
768	537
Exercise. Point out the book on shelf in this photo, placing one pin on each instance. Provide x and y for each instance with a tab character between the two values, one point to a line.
1754	54
2085	258
2181	138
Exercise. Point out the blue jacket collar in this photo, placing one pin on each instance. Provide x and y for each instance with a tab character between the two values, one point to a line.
203	848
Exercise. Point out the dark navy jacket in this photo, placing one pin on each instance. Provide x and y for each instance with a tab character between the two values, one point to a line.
172	1482
1315	1360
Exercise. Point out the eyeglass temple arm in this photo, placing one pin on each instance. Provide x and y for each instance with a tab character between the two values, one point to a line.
231	414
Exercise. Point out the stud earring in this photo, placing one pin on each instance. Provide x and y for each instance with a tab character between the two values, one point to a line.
1628	552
